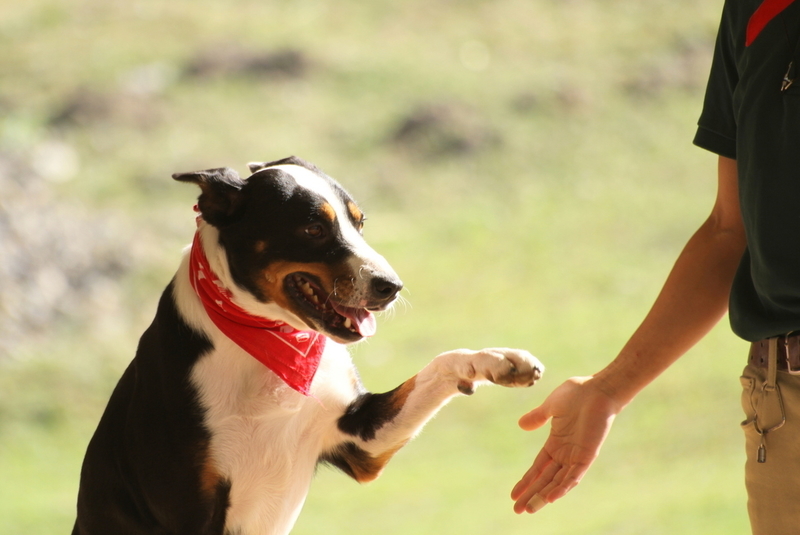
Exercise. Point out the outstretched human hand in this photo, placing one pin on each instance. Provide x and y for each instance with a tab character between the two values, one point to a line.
582	414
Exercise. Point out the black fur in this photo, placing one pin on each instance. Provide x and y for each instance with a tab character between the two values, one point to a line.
142	465
368	413
353	461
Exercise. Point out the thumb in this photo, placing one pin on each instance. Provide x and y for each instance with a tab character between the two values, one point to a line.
535	418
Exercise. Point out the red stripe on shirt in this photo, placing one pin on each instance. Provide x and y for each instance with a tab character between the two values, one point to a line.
767	11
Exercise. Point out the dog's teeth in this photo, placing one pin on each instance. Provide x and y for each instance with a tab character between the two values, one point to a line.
306	288
315	299
348	323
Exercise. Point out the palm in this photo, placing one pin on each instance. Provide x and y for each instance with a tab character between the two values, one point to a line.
581	418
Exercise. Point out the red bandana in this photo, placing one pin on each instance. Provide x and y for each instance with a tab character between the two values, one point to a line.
291	354
768	10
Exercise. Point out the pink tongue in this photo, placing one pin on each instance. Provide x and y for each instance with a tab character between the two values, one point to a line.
363	320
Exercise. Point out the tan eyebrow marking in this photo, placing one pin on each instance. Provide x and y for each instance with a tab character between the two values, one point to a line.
354	211
328	212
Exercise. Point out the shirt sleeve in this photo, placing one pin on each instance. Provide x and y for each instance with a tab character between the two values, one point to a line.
716	130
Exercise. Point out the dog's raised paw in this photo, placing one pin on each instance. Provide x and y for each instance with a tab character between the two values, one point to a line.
508	367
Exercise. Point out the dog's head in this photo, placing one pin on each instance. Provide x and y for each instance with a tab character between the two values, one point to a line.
292	240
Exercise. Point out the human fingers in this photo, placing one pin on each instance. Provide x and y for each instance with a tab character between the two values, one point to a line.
535	418
542	460
538	495
531	497
565	482
524	483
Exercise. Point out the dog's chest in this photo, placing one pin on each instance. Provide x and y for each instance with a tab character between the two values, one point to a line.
265	437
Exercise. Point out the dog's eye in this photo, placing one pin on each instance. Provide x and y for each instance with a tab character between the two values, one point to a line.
315	230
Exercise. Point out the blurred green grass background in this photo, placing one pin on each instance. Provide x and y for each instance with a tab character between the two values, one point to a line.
526	166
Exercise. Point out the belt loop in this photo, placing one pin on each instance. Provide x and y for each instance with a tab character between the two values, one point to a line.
788	340
772	365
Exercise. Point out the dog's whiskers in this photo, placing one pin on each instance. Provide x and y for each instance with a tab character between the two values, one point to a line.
391	311
333	292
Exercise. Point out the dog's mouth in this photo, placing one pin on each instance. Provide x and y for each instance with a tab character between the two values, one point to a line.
348	324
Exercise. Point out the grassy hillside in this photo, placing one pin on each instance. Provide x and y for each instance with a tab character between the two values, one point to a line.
526	166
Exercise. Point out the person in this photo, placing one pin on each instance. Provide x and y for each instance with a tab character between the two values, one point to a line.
744	259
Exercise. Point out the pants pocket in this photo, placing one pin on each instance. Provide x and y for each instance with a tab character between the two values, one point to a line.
748	406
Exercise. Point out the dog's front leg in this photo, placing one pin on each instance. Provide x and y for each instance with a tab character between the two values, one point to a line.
377	425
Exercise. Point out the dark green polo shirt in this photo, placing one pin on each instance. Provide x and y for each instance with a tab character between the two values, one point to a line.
747	117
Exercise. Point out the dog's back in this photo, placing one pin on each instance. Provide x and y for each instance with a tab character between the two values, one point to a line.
145	464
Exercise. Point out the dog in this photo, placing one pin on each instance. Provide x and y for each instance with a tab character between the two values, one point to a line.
243	383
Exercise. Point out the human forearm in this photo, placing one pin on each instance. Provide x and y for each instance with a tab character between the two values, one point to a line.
693	299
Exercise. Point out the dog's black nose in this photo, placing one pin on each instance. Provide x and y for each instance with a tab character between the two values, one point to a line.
386	288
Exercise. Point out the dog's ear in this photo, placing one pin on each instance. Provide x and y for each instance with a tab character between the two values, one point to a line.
257	166
221	196
291	160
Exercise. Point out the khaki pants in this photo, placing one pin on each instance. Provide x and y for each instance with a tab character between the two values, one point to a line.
771	402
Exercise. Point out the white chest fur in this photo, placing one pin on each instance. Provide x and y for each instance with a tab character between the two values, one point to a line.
266	438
